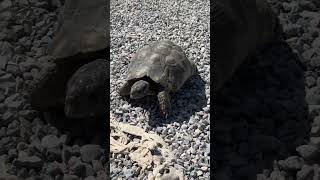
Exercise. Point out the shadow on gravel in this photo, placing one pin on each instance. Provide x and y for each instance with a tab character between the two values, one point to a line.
79	131
190	99
261	114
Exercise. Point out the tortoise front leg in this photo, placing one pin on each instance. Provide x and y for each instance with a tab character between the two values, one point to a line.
164	103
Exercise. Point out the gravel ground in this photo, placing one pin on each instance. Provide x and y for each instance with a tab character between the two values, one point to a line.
135	24
267	115
301	22
30	148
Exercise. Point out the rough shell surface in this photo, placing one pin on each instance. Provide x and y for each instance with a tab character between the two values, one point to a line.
82	30
164	62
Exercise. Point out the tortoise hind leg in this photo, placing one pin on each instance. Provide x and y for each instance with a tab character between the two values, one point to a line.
164	103
125	88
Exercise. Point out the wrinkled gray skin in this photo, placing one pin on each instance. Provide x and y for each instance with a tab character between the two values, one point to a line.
240	26
86	91
158	69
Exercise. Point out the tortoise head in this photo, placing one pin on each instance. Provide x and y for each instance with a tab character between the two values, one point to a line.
141	89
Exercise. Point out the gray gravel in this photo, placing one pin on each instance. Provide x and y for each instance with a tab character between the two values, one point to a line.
301	22
135	24
31	148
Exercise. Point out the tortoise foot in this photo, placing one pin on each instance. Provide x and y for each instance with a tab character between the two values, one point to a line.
164	103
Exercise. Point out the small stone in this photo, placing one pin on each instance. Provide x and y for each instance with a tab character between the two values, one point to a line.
28	65
12	153
204	168
292	163
27	76
76	166
22	146
313	95
53	153
14	102
90	152
199	173
308	152
315	130
315	141
197	132
64	139
28	161
316	43
12	68
310	81
315	61
50	141
35	143
28	114
75	150
53	169
7	118
13	131
7	78
305	173
5	4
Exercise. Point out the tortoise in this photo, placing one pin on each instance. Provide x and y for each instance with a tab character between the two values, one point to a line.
239	28
80	39
160	69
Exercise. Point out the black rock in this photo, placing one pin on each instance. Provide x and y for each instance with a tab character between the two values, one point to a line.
90	152
292	163
50	142
53	169
28	161
309	152
306	173
76	166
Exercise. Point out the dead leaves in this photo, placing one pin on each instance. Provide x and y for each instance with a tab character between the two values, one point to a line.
148	150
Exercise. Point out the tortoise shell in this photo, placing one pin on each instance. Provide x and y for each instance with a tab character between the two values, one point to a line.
163	62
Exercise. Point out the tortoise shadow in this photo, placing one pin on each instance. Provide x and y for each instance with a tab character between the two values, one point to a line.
190	99
261	114
95	131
